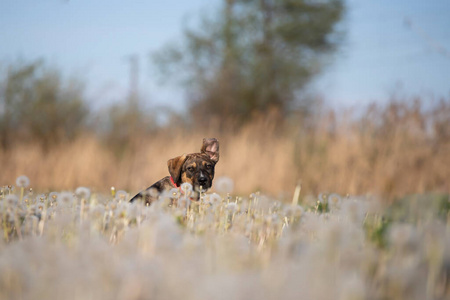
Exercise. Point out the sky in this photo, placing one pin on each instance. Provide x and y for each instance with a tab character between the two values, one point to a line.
93	40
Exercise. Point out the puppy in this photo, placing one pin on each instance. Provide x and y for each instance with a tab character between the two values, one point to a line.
195	168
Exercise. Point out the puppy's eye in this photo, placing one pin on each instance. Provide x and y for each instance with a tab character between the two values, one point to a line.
190	169
208	166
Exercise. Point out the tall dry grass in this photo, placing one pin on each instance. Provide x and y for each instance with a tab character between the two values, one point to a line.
398	149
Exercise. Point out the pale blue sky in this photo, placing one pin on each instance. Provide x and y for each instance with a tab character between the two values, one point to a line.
91	39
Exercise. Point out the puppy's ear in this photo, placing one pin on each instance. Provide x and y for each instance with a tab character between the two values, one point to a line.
174	166
211	147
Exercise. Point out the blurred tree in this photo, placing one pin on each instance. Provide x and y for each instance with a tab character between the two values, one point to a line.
36	105
254	56
125	125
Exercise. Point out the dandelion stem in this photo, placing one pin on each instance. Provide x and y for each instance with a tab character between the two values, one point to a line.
296	197
22	189
5	228
17	225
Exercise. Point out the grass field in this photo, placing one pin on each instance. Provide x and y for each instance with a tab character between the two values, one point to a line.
83	245
390	151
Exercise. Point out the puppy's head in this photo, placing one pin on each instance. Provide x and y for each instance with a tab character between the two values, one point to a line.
196	168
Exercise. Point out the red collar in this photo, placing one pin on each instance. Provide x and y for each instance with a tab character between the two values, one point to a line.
173	182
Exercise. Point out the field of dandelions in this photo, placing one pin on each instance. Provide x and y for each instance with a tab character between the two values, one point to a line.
83	245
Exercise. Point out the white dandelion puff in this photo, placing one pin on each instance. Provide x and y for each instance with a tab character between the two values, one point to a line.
231	207
174	193
293	211
40	206
11	200
121	195
40	198
186	187
224	185
22	181
215	198
112	205
65	199
53	197
121	210
334	200
322	197
83	192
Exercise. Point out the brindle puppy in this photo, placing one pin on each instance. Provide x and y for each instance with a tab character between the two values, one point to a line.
195	168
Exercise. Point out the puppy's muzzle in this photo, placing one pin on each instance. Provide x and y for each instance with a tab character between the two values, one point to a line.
202	180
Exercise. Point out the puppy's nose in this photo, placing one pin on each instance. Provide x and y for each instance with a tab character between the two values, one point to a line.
202	180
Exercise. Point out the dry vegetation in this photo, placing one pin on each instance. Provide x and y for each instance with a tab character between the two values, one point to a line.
81	246
391	151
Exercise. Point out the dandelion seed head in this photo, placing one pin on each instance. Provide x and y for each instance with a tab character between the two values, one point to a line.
83	192
11	200
39	198
40	206
275	206
224	185
22	181
264	203
322	197
121	195
112	205
294	211
65	199
186	187
213	198
174	193
121	210
231	207
30	200
334	200
53	197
